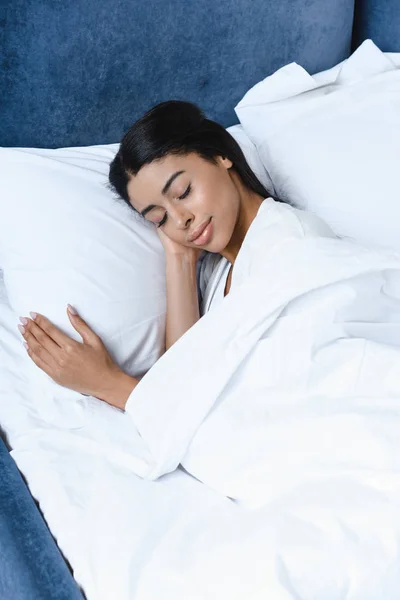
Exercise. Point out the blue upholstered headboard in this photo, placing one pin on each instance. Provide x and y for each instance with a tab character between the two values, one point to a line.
80	72
378	20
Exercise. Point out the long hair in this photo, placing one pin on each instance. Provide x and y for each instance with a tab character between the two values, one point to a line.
177	127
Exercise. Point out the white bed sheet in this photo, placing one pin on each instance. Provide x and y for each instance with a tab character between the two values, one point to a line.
317	515
127	538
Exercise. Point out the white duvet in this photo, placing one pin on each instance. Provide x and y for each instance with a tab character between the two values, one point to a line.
284	400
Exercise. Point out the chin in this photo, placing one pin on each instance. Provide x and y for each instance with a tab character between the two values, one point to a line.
215	246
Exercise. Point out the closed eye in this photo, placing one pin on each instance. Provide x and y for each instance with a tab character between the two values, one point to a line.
186	193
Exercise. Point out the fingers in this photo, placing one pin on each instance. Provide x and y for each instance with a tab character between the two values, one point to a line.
88	335
38	353
39	361
35	335
52	332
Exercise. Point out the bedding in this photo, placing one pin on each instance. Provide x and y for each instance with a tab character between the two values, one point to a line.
331	145
73	449
291	406
124	538
193	543
306	305
309	510
305	347
64	238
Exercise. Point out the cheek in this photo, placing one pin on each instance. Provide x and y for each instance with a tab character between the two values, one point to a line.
176	235
209	197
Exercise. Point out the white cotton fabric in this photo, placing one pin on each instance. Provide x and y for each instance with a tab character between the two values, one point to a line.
125	538
278	269
66	238
331	141
214	268
291	403
286	396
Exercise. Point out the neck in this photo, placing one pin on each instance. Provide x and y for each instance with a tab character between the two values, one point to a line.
249	205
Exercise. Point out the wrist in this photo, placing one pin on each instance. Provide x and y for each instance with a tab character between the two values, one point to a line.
181	257
118	387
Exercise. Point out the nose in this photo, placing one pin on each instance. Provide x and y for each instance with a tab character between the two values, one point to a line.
182	218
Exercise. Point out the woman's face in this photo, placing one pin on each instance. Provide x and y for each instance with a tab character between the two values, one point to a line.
181	193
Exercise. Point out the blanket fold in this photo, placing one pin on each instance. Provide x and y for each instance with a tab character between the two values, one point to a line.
305	314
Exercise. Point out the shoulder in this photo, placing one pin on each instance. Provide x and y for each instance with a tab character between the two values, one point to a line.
276	225
311	224
284	220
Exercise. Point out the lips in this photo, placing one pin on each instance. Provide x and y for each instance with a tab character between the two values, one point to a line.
197	232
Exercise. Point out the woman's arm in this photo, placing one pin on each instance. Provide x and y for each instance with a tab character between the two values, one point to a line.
117	388
182	313
88	367
182	298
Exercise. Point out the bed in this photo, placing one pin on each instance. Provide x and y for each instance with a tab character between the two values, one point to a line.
75	76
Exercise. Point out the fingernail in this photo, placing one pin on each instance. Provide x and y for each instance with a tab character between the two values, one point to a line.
72	310
22	329
23	320
33	315
26	346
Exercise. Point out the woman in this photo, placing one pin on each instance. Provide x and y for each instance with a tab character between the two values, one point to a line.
188	176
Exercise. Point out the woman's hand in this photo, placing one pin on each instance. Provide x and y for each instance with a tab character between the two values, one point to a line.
84	367
173	248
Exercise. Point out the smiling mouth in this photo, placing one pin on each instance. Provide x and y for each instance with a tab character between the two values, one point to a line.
203	227
205	237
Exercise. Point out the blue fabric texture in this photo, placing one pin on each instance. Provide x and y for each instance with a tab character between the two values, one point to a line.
31	565
378	20
80	72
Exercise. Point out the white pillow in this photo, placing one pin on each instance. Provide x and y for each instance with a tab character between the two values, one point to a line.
252	156
64	238
331	142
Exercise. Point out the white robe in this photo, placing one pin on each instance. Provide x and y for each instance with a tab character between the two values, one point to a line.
214	268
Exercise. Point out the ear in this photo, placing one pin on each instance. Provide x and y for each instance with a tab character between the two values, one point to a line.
227	163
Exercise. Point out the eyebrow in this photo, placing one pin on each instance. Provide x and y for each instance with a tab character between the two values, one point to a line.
163	191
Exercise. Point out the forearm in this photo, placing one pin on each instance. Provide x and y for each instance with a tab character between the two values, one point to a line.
117	389
182	298
182	313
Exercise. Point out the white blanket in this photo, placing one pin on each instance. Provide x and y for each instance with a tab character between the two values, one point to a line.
285	398
306	344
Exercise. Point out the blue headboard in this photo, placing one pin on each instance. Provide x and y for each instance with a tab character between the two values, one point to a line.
80	72
380	21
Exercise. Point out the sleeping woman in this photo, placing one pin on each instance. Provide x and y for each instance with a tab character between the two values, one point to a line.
187	176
